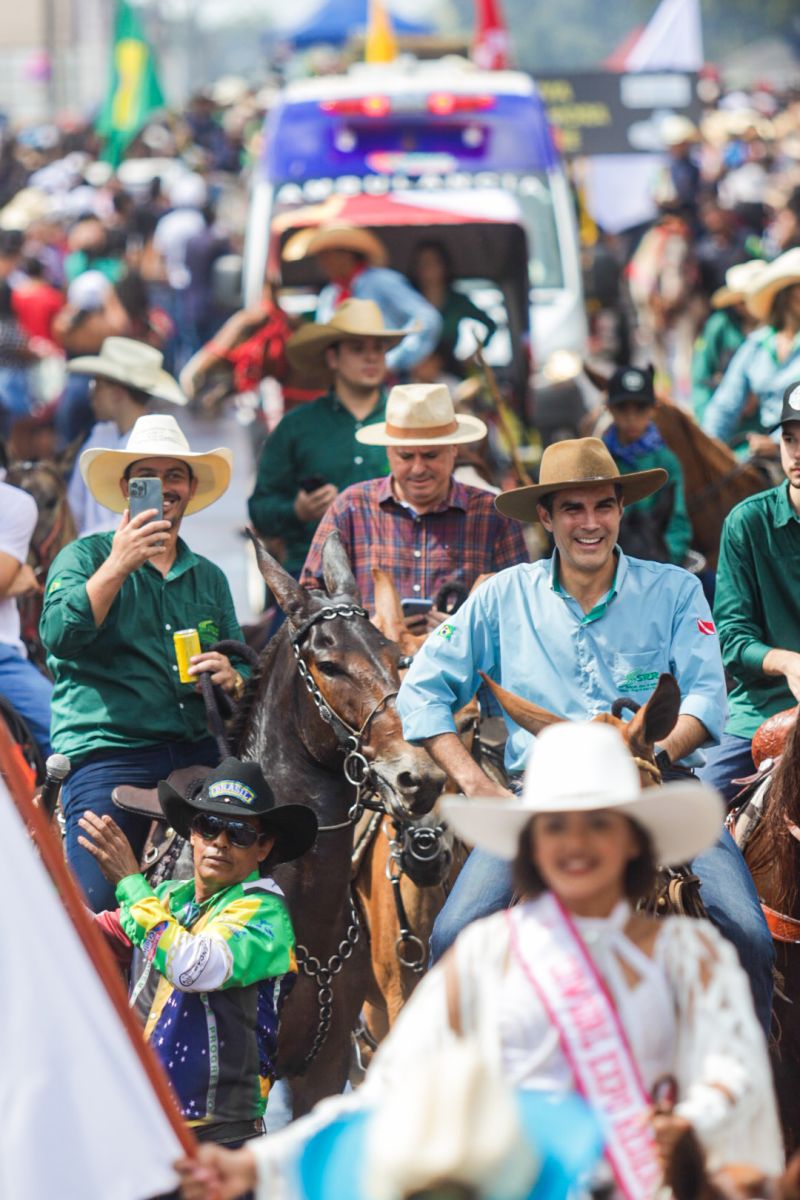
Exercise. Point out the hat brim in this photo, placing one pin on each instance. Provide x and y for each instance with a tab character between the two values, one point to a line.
725	297
314	240
759	301
164	387
520	503
102	470
294	825
682	819
470	429
563	1132
306	348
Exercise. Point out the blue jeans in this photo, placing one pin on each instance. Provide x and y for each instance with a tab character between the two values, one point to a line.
89	788
731	759
27	689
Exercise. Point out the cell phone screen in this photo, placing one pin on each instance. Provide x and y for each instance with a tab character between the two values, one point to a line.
144	494
414	607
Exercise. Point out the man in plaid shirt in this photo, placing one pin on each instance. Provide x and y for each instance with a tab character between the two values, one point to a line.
419	524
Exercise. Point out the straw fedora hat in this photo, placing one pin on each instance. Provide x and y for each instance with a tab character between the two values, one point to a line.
134	364
155	436
422	414
581	767
352	319
739	280
452	1121
576	463
336	236
675	130
781	273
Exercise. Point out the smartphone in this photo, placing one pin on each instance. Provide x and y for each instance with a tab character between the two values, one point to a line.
144	494
414	607
312	483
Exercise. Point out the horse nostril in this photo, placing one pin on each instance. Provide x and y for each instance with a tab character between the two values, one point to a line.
407	781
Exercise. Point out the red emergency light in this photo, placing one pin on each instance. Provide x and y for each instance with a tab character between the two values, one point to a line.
439	104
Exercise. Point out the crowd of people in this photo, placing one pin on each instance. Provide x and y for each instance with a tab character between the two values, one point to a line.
544	977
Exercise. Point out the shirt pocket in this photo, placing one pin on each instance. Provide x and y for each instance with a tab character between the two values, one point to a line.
636	675
206	618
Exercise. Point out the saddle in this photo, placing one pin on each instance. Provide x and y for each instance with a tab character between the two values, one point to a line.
163	848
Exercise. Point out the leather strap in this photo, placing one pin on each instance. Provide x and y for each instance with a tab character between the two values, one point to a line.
783	928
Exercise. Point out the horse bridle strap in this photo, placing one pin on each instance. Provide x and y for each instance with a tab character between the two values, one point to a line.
782	928
327	613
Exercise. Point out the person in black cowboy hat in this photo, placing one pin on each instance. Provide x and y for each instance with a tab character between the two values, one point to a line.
218	948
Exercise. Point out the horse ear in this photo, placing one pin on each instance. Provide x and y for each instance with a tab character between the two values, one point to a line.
527	715
656	719
600	381
292	596
336	569
388	611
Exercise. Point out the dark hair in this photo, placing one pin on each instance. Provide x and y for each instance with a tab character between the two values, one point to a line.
640	873
780	306
548	500
438	248
33	267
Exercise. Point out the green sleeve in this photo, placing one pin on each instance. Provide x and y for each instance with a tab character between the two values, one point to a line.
271	505
67	624
678	534
738	611
703	375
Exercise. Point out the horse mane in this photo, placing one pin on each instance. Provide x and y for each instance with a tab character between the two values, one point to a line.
781	849
240	726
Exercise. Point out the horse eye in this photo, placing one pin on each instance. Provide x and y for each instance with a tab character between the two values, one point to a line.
330	669
51	503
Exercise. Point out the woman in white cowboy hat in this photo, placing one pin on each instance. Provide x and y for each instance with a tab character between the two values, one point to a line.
573	990
353	260
768	361
126	376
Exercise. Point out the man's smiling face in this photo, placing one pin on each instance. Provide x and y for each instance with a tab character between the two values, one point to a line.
585	525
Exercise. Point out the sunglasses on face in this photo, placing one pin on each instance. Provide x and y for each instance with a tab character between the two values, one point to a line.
239	833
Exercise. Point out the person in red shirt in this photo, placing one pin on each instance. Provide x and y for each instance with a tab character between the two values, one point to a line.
36	302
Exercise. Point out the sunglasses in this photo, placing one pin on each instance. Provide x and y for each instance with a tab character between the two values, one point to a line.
239	833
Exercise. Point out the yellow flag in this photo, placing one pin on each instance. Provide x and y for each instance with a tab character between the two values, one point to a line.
380	46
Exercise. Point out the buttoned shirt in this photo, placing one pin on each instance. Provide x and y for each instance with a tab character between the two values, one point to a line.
461	539
756	603
754	368
118	686
533	638
315	439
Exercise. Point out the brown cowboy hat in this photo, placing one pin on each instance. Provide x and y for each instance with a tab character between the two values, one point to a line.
336	236
573	464
353	319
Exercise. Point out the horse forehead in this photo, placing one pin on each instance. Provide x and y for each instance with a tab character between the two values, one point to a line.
607	718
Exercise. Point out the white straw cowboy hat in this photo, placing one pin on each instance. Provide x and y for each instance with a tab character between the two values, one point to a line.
155	436
781	273
675	130
422	414
739	281
581	767
576	463
336	236
134	364
353	319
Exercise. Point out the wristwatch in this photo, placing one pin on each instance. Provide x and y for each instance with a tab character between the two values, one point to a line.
663	761
238	687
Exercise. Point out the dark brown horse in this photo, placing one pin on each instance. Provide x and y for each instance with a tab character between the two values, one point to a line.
766	825
322	704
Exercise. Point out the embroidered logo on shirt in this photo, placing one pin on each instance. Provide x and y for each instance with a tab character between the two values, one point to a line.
54	586
446	631
231	789
208	631
638	681
706	627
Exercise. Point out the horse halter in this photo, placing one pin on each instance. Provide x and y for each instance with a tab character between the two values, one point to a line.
357	770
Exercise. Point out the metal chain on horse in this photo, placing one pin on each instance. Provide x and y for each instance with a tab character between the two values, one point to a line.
421	847
323	976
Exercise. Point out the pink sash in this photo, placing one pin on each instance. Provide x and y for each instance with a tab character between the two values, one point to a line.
577	1002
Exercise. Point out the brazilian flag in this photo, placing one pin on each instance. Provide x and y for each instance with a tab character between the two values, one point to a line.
134	92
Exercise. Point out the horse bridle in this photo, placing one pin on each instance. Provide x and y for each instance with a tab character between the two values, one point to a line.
356	767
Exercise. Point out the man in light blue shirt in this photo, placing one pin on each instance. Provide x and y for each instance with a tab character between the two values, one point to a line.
572	634
353	259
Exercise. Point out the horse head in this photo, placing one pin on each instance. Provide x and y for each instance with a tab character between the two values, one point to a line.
652	722
55	525
352	678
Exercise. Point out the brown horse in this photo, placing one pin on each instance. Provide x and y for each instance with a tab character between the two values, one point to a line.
321	720
766	825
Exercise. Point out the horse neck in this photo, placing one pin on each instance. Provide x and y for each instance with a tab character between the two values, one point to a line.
776	853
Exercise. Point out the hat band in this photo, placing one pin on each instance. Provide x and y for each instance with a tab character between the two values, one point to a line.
421	431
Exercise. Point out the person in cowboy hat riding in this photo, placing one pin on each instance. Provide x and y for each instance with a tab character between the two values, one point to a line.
354	262
112	603
126	376
218	945
418	523
572	634
312	454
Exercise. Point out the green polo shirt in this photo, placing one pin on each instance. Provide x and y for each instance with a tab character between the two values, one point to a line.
117	687
756	604
315	439
678	534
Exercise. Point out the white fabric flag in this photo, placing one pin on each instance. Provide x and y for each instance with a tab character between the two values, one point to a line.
79	1116
672	40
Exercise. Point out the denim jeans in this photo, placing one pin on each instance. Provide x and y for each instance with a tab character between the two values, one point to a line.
89	788
27	689
731	759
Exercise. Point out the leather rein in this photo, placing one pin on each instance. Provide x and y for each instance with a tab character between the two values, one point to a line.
782	927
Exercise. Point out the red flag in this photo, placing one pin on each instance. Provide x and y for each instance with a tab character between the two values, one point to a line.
491	45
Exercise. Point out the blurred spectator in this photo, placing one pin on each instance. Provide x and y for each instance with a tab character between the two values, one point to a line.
720	245
36	302
16	359
432	274
721	337
90	250
202	252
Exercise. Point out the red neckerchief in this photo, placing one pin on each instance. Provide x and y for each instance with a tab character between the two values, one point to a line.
344	287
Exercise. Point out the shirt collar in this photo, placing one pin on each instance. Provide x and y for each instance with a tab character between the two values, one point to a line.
458	496
185	893
600	608
378	413
784	513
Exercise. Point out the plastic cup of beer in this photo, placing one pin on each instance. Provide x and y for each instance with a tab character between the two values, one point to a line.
187	643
